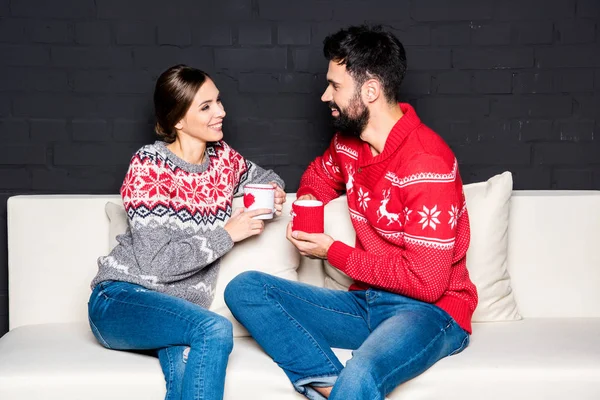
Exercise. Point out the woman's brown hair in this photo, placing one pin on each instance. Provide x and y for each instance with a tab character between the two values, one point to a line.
174	92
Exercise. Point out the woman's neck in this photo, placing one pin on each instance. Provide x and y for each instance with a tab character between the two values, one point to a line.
188	149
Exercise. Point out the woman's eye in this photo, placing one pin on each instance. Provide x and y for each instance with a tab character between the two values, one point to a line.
219	100
205	108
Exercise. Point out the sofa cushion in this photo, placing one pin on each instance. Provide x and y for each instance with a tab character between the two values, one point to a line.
118	222
528	359
256	253
488	206
268	252
554	253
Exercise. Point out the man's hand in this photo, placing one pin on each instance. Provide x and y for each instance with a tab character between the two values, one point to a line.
280	198
312	245
307	197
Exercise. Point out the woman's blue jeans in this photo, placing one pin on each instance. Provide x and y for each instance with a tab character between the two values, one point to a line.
193	343
394	338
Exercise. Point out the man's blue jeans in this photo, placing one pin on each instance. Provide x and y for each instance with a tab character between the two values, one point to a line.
193	343
394	338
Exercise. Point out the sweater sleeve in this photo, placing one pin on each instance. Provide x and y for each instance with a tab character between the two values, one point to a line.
323	178
248	172
420	269
163	251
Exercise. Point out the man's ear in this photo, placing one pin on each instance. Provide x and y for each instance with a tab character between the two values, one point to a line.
372	90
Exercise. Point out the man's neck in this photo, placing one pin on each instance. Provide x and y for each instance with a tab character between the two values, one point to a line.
381	121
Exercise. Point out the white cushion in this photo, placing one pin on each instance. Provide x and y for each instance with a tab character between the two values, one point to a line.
530	359
554	253
118	222
339	226
488	206
269	252
54	242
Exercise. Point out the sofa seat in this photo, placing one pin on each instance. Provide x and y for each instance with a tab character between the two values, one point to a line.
529	359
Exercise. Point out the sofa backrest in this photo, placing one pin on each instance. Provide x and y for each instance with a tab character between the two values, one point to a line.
53	245
54	242
554	253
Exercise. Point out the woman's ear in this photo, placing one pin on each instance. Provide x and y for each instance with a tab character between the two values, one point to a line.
179	125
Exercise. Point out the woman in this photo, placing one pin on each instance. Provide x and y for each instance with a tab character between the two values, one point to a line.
153	290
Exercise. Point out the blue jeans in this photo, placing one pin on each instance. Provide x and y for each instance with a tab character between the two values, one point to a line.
394	338
193	344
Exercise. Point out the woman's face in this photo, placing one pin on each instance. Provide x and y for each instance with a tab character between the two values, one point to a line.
204	118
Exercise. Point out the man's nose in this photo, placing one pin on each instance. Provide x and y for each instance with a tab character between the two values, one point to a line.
326	97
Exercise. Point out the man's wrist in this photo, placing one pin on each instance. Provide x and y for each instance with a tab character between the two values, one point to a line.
338	254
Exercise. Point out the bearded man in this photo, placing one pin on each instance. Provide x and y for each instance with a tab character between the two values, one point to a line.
412	299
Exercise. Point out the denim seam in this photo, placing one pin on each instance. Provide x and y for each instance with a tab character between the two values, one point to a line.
97	331
461	347
306	333
199	383
171	371
316	305
368	307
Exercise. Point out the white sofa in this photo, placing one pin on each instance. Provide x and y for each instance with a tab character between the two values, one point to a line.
552	352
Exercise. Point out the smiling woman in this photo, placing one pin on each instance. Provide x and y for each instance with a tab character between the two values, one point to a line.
161	277
188	110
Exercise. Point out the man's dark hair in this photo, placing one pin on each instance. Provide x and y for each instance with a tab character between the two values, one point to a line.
369	52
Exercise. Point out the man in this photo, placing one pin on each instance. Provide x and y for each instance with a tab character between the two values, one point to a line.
412	300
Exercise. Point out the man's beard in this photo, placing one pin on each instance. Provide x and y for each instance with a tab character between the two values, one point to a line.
349	125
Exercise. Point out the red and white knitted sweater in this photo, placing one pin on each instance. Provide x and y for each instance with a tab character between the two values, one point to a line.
408	209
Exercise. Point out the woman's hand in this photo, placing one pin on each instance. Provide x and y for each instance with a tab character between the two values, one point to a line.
241	225
280	198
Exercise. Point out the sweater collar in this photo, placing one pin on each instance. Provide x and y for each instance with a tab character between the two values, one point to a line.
403	127
180	162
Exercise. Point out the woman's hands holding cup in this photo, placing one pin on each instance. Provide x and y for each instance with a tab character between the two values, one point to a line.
241	225
279	198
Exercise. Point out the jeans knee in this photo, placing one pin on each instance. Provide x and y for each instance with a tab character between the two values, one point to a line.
240	287
217	330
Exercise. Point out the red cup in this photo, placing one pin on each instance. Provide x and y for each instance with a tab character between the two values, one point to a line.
308	216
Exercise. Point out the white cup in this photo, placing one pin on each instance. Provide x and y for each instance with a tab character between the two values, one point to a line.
258	196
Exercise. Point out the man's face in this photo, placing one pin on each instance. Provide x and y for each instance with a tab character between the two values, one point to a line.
350	115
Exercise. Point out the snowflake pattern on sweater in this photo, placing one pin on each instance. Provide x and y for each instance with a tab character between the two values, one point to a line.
408	209
176	215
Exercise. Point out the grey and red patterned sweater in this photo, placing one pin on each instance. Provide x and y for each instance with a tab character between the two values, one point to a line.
177	212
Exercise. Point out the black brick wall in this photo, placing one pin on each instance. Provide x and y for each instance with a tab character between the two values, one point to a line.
510	84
